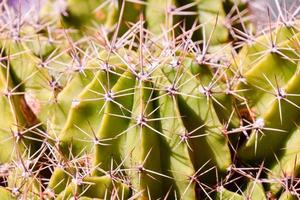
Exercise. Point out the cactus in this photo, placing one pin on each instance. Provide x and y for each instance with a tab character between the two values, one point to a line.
147	100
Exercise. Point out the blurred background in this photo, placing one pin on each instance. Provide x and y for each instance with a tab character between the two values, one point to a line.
258	8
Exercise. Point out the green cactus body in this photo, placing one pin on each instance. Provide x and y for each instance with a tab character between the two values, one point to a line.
212	15
175	146
115	123
59	180
83	13
10	115
85	116
142	144
287	196
262	77
6	195
157	13
253	190
199	112
147	100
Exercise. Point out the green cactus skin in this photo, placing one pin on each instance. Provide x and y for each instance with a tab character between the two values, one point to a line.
87	111
254	190
102	187
224	194
143	144
9	114
175	147
112	125
212	15
121	100
59	180
156	13
287	196
83	13
262	76
195	117
6	195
